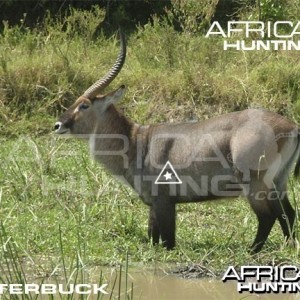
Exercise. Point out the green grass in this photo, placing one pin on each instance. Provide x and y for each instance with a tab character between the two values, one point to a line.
179	76
53	198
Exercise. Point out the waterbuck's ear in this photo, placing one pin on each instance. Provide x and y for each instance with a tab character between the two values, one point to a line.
113	97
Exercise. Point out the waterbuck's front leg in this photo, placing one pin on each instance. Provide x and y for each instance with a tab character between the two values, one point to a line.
153	229
163	216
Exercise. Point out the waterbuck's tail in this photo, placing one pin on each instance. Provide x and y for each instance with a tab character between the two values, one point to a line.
297	167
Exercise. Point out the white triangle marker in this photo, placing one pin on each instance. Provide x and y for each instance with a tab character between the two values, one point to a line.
173	177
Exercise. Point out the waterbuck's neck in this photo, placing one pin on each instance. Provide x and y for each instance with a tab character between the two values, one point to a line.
113	142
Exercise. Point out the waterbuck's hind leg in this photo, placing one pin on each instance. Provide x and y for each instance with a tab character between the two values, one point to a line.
265	224
269	205
153	229
286	216
258	198
164	211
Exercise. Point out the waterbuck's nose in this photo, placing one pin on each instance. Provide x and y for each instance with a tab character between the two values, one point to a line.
57	126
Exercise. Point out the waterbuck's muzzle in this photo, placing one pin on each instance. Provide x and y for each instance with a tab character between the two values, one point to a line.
61	128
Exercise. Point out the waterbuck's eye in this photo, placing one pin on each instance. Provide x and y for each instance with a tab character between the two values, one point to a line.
83	106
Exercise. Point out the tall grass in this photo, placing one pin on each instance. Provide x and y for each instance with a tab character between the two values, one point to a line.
180	76
14	270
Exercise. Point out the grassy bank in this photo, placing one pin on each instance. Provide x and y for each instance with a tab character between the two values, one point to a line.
52	196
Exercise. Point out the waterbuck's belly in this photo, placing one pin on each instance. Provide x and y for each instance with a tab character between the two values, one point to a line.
196	183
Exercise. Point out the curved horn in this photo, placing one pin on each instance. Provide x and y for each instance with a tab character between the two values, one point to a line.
102	83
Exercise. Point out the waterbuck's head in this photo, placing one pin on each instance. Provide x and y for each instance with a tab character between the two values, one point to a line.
91	109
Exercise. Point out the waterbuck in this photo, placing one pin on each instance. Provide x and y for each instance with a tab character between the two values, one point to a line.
248	153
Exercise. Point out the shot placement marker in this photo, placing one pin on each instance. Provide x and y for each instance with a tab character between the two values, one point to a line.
168	175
